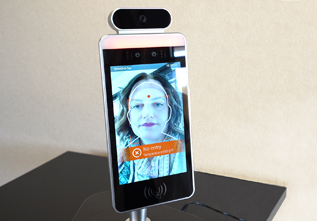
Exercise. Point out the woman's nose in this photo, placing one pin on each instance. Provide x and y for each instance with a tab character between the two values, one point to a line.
148	111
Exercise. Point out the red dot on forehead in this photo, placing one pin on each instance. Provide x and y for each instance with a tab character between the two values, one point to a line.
148	96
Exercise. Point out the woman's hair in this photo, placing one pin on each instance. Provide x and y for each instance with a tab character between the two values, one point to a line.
175	123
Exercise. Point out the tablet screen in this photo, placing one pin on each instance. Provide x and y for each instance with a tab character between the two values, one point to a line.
149	120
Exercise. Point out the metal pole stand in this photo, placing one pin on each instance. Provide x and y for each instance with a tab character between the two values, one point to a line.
98	207
138	215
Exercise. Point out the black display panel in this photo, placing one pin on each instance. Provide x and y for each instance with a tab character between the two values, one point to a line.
148	125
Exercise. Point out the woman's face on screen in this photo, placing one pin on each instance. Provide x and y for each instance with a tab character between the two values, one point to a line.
149	111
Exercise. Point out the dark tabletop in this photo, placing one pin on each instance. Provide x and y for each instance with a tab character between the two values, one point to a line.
57	189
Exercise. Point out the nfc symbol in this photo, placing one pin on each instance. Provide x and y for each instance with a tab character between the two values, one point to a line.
158	193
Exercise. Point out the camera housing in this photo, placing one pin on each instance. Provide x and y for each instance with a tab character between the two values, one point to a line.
140	20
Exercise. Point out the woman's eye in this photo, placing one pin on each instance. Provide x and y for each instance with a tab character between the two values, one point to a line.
137	106
157	104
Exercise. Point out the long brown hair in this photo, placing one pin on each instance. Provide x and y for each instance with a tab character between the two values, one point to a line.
176	121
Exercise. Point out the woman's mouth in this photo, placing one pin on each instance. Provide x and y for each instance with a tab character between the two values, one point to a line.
150	124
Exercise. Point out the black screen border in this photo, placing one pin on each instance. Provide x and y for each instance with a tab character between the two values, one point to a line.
124	193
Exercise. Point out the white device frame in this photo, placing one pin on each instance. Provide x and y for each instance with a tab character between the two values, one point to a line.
141	214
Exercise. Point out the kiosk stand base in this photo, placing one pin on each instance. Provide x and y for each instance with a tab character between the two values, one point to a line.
138	215
98	207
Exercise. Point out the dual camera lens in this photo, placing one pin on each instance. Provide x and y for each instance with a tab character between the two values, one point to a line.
138	54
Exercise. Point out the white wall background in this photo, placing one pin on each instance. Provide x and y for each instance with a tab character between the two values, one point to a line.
253	78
